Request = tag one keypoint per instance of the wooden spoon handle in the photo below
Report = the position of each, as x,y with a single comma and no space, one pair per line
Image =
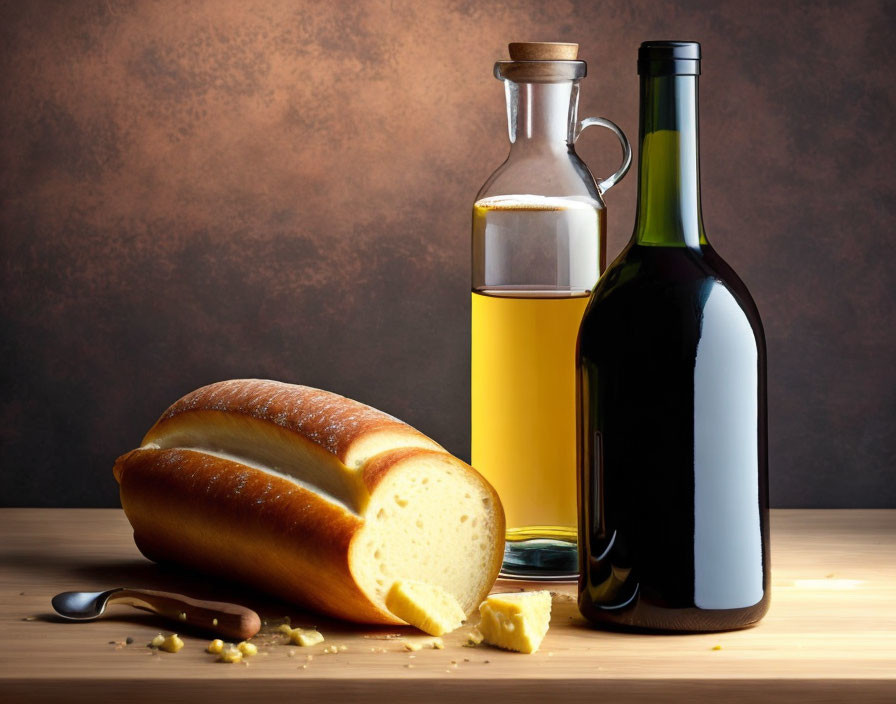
229,620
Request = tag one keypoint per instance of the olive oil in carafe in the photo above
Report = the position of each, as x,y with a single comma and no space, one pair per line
523,360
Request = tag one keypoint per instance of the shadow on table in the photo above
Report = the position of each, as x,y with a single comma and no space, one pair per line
99,575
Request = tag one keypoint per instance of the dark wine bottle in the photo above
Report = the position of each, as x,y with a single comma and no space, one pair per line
672,459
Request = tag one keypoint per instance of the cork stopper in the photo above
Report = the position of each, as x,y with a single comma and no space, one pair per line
543,51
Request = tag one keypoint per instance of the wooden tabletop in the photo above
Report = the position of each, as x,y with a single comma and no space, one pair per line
830,634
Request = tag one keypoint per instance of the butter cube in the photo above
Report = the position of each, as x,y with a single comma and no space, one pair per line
426,606
516,621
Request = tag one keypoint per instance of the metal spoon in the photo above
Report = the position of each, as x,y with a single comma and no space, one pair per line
230,620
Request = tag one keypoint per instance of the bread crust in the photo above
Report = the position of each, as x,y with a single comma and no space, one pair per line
335,423
246,525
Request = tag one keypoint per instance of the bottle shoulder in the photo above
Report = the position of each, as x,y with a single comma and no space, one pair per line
677,280
734,283
641,267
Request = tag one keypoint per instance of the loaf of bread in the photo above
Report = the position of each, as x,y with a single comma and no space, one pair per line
310,496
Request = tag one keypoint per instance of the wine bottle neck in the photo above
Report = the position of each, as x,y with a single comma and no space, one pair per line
669,169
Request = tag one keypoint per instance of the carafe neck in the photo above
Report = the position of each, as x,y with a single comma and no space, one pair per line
541,116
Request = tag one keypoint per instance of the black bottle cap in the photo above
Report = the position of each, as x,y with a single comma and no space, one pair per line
669,58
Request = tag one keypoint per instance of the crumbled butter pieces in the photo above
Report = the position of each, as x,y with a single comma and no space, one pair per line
474,637
416,644
305,637
426,606
171,644
248,649
516,621
230,654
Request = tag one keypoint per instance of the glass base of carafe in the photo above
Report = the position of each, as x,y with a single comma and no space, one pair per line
541,554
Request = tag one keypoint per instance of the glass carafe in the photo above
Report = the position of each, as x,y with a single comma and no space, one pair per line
539,246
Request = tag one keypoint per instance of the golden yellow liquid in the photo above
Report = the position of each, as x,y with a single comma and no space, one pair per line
523,408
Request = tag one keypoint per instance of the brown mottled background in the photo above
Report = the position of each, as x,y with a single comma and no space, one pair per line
193,191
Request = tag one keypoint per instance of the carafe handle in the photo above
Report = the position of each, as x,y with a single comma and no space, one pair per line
608,183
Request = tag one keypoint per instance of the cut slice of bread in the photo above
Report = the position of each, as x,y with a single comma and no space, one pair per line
426,606
311,496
